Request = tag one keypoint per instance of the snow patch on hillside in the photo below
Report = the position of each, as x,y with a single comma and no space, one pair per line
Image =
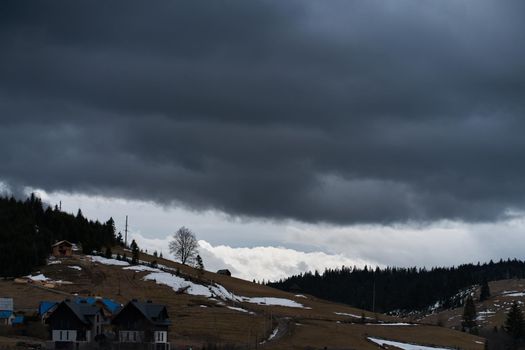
346,314
404,346
515,294
272,301
43,279
141,268
75,267
212,291
39,277
273,335
105,261
178,283
391,324
240,309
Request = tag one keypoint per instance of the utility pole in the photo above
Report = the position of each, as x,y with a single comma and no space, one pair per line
126,233
374,297
60,206
374,294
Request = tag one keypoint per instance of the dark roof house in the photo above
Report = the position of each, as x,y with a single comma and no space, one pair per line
143,322
74,323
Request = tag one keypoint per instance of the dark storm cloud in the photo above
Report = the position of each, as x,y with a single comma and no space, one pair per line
341,112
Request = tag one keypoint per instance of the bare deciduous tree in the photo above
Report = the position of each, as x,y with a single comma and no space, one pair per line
184,245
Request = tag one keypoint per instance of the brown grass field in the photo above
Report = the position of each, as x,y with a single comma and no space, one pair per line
198,320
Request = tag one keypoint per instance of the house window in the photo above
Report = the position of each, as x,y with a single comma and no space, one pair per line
60,335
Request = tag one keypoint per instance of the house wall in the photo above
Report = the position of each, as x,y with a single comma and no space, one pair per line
7,321
131,336
160,337
62,250
98,321
63,335
131,320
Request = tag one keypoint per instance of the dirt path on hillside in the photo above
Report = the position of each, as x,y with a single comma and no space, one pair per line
283,329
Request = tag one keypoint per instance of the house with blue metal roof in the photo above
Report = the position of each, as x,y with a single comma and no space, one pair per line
6,311
109,307
18,321
45,307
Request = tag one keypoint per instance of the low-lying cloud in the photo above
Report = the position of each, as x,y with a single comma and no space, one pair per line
256,263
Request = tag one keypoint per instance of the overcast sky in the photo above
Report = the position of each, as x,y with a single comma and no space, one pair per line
368,131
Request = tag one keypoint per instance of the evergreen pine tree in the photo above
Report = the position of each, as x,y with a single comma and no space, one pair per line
120,240
160,256
135,252
108,254
485,290
200,265
469,315
155,254
515,324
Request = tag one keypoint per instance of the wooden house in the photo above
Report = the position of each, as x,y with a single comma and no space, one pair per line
224,272
144,323
62,249
74,325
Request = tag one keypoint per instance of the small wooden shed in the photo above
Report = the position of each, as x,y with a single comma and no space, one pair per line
62,249
225,272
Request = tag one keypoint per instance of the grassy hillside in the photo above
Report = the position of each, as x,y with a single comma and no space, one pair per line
198,320
491,313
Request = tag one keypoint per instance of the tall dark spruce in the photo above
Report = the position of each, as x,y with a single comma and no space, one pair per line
28,228
469,315
484,293
135,253
515,324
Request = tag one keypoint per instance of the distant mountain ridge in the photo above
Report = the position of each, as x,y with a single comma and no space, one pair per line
399,289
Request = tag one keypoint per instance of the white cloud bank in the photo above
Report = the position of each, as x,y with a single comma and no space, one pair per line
268,263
